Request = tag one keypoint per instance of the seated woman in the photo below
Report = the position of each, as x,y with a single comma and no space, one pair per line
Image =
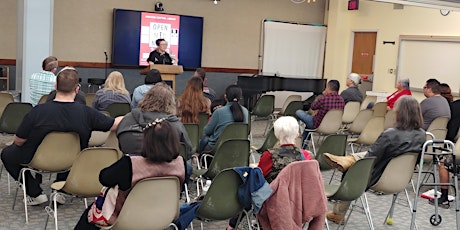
151,78
274,160
192,102
159,157
114,91
230,113
403,88
407,136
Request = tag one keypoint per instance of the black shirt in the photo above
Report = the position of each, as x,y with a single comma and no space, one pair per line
60,117
158,58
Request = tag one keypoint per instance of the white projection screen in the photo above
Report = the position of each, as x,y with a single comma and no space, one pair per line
293,50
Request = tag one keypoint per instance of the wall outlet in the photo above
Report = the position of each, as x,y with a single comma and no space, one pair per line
391,71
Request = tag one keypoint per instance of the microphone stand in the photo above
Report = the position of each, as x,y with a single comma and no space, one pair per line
106,60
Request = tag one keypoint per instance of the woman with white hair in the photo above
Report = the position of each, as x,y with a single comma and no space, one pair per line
352,93
274,160
403,88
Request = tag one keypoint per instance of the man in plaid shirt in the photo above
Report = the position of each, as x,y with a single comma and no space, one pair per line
330,100
42,83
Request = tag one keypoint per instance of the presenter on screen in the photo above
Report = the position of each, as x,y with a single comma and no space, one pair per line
159,55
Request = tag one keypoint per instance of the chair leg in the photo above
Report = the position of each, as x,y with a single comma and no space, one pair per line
391,210
55,211
367,211
23,172
327,224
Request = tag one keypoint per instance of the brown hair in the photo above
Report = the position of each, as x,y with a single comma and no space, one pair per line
161,142
159,98
49,63
192,101
67,80
408,113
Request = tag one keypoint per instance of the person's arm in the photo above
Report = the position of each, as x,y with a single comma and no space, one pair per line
19,141
208,105
24,129
115,123
209,128
119,173
317,103
378,149
265,163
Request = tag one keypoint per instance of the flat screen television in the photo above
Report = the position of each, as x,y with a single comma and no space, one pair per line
135,33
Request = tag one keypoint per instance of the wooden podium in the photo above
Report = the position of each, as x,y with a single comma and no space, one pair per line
168,73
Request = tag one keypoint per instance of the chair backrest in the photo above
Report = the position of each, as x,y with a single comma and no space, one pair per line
360,121
380,109
152,204
269,141
118,109
112,141
90,98
264,106
335,144
288,100
331,122
390,119
236,130
397,174
372,130
83,179
221,201
355,181
367,100
438,123
202,122
98,138
5,99
231,153
43,99
12,116
57,152
291,108
350,111
193,134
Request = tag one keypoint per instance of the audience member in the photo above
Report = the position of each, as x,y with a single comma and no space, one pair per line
159,157
407,136
274,160
114,91
454,122
208,92
446,92
321,105
80,97
192,102
352,93
62,115
152,77
402,88
434,105
43,82
231,112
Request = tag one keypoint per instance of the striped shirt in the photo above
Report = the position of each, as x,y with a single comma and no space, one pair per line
41,83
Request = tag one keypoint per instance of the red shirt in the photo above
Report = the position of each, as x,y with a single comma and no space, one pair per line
391,100
266,162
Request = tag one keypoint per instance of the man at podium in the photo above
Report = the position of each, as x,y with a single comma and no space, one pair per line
159,55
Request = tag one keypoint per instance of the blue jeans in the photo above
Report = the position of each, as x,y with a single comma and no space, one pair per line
203,143
307,119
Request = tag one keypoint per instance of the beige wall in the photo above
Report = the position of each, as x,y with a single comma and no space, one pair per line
389,24
83,28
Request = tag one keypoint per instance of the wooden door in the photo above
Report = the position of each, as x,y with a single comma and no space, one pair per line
363,52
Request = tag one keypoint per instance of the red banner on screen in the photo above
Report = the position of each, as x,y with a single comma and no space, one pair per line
155,26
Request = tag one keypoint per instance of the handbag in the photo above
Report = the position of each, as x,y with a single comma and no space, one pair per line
102,209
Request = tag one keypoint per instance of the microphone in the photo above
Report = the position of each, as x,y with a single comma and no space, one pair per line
105,52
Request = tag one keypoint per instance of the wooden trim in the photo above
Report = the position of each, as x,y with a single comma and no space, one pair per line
102,66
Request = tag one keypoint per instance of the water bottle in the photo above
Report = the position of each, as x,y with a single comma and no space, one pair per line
206,187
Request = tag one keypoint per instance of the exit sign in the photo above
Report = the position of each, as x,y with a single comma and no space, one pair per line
353,4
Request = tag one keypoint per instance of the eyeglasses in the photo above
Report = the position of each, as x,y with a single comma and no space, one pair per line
163,44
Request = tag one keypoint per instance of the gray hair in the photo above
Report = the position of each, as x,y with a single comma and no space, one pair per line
405,83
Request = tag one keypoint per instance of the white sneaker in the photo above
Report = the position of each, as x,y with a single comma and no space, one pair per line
37,200
60,198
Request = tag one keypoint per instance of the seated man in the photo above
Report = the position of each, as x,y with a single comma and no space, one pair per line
321,105
434,105
446,166
274,160
407,136
42,83
352,93
62,115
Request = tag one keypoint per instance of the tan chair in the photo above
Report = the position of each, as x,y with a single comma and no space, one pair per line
83,179
152,204
438,127
288,100
380,109
5,99
89,99
394,179
390,119
367,100
360,122
350,111
369,135
55,154
112,141
43,99
98,138
329,125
